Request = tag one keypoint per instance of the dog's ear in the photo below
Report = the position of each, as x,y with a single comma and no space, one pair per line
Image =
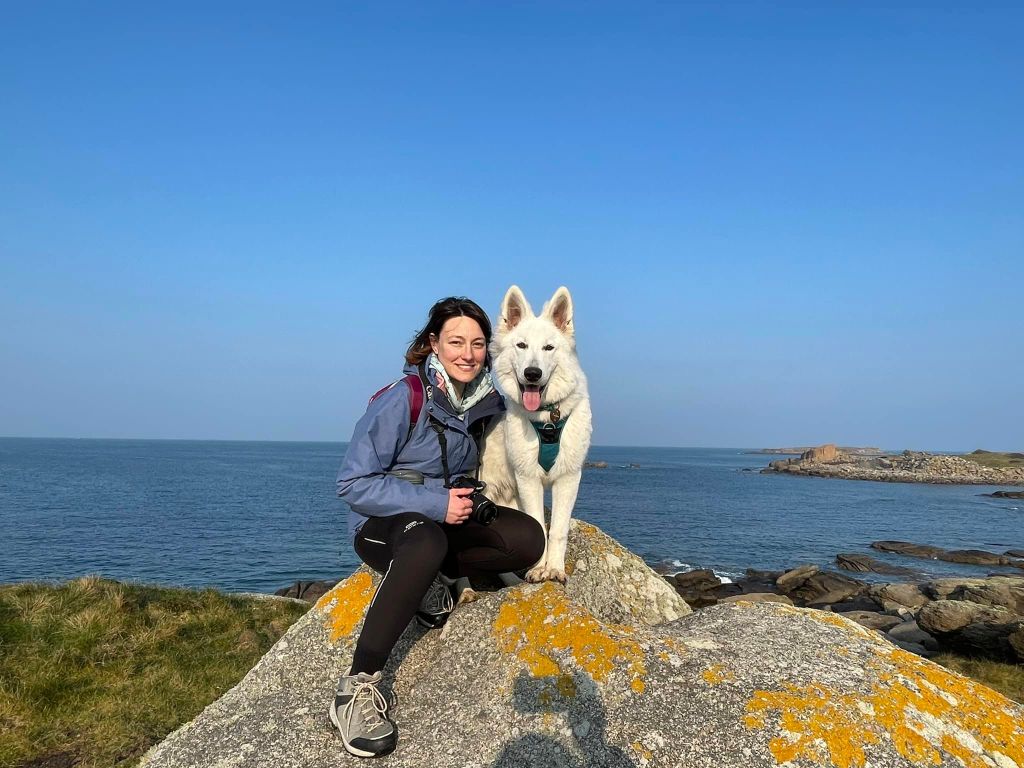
559,310
514,309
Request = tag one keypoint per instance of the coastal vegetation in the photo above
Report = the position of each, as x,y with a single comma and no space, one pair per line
1008,679
93,672
996,459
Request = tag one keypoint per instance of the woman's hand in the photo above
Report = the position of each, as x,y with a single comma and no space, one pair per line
459,506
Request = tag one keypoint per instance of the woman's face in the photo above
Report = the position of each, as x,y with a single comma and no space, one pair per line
461,348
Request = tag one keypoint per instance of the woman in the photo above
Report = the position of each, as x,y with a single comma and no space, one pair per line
407,520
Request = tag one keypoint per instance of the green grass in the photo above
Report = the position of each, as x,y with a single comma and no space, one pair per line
995,459
1008,679
94,672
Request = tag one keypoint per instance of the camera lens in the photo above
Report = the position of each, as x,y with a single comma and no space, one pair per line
484,510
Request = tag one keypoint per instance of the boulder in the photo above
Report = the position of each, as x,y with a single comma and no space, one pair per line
731,590
615,584
943,617
857,603
534,676
995,591
794,578
826,587
909,595
859,563
310,591
823,454
972,629
910,632
1006,495
697,587
753,574
873,620
974,557
758,597
988,639
1016,641
917,648
908,548
700,578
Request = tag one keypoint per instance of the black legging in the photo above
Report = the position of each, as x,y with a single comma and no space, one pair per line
410,548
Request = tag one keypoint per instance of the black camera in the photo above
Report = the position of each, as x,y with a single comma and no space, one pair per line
484,510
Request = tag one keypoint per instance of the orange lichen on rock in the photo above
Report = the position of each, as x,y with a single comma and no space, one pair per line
540,625
346,604
817,725
642,752
597,543
921,709
973,720
716,674
848,626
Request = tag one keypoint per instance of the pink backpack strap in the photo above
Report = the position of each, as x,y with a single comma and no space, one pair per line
415,397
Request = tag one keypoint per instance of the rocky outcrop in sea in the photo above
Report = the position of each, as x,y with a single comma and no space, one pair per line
612,669
907,467
980,616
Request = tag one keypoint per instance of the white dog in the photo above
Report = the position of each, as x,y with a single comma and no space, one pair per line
535,365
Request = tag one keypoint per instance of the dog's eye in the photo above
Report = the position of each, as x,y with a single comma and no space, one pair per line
521,345
548,347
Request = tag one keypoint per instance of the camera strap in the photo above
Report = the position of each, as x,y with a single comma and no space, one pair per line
436,424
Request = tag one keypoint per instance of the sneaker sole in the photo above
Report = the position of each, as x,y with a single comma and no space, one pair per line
428,625
348,747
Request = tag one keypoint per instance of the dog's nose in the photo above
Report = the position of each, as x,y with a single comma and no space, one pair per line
532,374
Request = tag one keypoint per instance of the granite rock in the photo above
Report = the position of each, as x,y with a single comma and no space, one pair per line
532,676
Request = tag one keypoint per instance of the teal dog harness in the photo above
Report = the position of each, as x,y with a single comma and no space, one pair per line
549,435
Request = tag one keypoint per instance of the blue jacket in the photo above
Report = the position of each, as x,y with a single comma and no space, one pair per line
379,444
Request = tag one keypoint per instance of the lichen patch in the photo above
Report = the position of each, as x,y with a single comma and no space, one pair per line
717,674
346,604
540,627
922,710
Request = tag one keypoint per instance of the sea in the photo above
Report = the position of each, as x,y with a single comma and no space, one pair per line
257,516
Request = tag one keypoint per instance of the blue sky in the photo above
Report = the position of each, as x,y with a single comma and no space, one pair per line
781,223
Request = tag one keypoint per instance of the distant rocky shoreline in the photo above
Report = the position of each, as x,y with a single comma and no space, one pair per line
907,467
847,449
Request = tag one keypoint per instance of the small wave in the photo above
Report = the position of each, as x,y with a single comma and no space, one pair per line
726,577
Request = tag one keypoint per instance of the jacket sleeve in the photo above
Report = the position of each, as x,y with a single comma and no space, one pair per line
378,437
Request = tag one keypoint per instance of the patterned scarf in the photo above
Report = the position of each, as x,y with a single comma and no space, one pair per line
472,393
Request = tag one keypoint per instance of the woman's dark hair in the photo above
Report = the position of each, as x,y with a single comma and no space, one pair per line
440,313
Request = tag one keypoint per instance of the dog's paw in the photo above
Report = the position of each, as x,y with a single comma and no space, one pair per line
468,595
555,574
537,574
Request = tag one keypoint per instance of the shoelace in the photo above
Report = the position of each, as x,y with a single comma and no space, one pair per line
438,599
372,713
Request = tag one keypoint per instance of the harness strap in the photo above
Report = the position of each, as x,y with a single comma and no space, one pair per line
549,435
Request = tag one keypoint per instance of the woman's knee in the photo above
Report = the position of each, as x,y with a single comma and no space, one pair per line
524,535
425,537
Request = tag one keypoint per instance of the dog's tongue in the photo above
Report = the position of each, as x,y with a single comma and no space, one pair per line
531,398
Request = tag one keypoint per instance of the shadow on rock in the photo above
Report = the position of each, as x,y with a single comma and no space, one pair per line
570,704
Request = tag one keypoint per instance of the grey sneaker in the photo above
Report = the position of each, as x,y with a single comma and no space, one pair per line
436,604
359,713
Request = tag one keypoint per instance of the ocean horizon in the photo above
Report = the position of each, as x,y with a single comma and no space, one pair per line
244,515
